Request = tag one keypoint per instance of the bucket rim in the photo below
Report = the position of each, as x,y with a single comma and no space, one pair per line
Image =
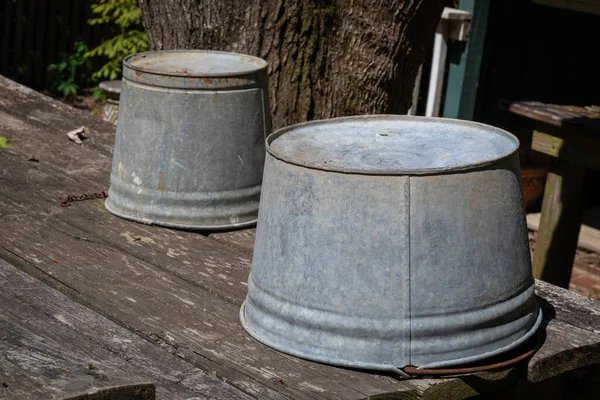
468,166
260,63
341,362
175,225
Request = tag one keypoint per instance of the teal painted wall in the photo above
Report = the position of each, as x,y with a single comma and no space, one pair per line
464,63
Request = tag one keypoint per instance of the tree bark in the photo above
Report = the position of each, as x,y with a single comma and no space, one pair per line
327,58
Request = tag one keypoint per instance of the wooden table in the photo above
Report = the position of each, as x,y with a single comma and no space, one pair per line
89,300
572,136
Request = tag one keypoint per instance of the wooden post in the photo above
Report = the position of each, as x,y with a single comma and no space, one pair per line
562,214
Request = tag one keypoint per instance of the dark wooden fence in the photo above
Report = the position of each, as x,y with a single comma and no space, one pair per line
35,33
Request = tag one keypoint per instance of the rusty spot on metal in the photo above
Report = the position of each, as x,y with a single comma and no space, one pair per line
138,73
161,188
413,371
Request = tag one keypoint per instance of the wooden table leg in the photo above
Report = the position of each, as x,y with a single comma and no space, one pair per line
562,213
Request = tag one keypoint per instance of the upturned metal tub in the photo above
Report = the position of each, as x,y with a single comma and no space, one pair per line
189,149
387,241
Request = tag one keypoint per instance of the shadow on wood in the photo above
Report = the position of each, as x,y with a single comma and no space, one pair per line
143,391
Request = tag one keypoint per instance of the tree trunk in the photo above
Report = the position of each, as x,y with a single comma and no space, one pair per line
327,58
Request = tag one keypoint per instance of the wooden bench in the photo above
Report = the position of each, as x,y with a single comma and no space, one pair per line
91,301
572,136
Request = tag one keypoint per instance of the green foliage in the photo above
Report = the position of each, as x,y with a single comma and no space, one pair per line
98,94
125,18
3,142
72,71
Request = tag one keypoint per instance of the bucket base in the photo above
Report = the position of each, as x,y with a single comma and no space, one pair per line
187,227
384,367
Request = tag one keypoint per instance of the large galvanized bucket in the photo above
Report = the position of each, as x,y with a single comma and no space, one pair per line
189,149
387,241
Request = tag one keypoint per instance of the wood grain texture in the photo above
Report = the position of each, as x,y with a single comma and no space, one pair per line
574,146
242,240
569,307
179,290
562,215
570,333
565,348
52,347
555,114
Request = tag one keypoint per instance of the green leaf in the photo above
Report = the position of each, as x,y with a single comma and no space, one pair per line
98,94
125,18
3,142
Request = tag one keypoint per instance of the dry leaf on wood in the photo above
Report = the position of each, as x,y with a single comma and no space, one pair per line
77,135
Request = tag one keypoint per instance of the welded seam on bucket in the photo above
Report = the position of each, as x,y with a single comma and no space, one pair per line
409,275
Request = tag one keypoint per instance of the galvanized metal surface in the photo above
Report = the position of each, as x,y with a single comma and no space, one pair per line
420,260
383,146
112,90
189,149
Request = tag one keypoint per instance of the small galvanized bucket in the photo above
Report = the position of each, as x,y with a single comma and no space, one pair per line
388,241
189,149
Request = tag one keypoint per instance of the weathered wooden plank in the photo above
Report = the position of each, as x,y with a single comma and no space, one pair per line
196,260
242,240
52,347
554,114
562,214
565,348
570,145
124,270
569,307
570,333
191,256
146,239
58,240
175,314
